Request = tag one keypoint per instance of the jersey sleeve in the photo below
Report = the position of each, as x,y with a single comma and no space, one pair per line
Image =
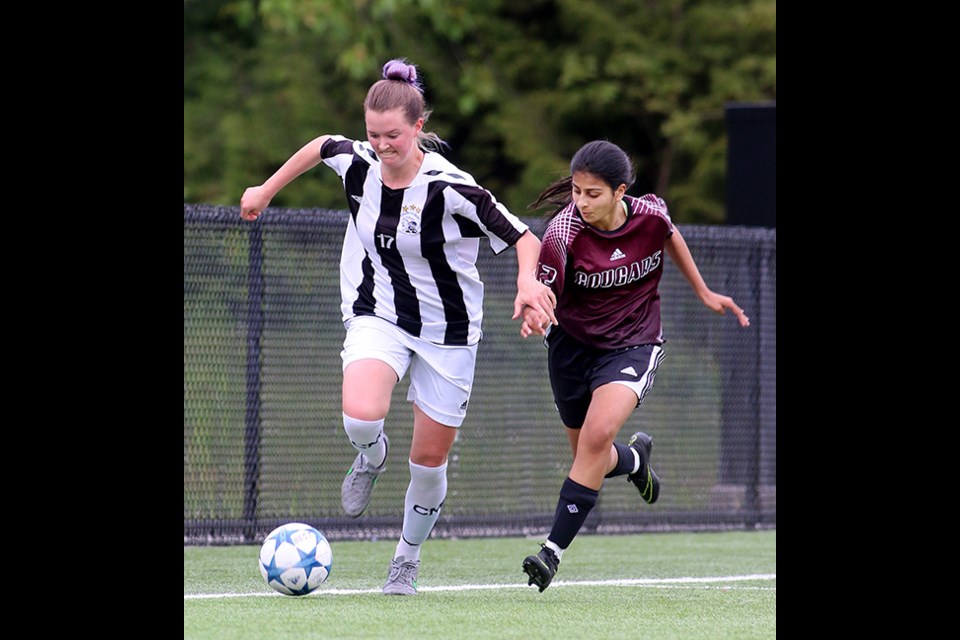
551,269
651,204
337,153
478,205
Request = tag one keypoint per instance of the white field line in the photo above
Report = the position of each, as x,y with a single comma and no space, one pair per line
654,583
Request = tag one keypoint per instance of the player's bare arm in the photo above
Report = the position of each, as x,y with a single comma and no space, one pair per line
530,291
256,199
679,252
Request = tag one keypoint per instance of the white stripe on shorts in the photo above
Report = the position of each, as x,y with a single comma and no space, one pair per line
644,384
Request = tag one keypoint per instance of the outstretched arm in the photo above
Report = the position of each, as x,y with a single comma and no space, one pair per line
530,291
679,252
256,199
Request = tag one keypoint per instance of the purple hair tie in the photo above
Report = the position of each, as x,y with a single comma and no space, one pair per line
400,70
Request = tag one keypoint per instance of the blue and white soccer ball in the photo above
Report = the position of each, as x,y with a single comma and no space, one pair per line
295,559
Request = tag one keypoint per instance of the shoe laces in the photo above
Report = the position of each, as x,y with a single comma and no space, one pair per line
402,569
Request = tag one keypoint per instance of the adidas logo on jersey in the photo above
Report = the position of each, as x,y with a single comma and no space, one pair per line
617,255
629,370
357,198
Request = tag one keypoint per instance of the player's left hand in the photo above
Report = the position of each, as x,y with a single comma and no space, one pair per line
719,304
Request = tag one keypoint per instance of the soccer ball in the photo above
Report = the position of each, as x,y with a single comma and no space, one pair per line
295,559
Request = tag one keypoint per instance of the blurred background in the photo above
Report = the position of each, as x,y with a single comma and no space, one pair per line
687,88
516,88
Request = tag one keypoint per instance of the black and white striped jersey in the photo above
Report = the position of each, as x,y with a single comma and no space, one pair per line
409,255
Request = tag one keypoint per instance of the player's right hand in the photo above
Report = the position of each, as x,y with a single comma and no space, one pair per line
253,202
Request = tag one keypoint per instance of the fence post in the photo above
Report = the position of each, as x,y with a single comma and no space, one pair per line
767,312
251,438
736,488
746,482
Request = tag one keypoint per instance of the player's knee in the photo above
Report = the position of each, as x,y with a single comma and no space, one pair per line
433,457
596,438
367,389
368,409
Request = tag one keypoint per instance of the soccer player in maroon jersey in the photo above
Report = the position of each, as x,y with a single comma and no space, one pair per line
602,254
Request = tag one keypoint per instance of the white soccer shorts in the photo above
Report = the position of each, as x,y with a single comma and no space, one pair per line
441,376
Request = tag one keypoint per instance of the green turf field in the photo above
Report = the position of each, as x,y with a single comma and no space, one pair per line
649,586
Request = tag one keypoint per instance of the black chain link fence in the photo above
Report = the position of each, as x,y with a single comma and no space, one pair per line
263,441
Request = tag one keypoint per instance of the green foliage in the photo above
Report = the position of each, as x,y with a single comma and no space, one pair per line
516,87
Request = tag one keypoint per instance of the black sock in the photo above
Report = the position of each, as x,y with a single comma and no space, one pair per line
625,461
575,503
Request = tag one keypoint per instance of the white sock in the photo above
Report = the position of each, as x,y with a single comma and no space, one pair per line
557,550
421,509
366,437
406,551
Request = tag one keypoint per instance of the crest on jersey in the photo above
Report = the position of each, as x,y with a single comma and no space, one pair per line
410,219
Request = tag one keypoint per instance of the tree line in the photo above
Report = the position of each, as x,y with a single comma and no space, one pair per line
516,87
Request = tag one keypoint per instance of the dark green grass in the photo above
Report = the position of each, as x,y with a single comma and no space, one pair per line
717,609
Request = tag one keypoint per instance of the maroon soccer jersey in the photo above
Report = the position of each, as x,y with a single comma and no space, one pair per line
606,282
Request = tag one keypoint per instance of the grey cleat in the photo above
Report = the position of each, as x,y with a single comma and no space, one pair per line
357,488
402,580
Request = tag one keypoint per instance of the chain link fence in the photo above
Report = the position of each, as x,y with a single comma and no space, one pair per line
263,441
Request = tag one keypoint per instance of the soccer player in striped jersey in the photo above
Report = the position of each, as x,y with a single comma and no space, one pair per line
602,255
411,294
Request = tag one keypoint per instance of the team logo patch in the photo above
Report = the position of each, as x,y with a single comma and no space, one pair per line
410,219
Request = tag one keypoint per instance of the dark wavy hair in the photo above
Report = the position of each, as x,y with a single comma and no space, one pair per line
600,158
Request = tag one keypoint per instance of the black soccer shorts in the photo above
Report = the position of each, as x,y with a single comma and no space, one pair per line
577,369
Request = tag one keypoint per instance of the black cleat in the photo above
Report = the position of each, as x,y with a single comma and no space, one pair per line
541,568
646,480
